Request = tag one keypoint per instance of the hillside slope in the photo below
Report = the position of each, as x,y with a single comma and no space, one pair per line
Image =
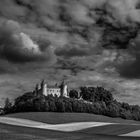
58,118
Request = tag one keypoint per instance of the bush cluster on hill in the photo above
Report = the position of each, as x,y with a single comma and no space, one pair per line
95,100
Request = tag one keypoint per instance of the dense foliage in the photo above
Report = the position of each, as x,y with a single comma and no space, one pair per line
95,100
8,106
73,94
98,94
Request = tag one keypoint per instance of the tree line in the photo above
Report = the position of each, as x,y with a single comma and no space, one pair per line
95,100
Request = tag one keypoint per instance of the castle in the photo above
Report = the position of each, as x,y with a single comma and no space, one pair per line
44,89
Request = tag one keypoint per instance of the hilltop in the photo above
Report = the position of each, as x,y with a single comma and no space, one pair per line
95,100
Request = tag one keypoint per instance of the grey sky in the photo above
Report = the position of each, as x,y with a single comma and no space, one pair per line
91,42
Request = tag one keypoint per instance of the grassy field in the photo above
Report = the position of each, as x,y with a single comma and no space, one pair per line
9,132
116,129
59,118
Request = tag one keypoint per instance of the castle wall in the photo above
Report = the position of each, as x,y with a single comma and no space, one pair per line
54,91
45,90
65,91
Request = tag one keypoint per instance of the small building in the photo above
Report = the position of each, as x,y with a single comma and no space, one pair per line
55,90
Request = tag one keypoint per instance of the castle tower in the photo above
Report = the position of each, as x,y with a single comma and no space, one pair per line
64,89
36,89
44,88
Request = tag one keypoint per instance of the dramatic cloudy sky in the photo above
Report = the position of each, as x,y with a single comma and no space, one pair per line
87,42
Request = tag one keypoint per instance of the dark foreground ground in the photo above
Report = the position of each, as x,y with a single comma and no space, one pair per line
8,132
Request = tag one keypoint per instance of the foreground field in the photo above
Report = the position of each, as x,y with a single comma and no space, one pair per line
59,118
9,132
42,126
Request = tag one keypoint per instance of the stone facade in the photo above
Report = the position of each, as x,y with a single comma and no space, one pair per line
45,89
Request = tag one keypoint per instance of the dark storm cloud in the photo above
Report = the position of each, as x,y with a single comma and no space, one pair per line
105,23
73,51
77,17
131,69
118,37
16,46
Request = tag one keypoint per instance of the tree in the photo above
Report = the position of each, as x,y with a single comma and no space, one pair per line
113,110
87,93
60,105
52,106
68,105
46,106
73,94
7,106
97,94
103,95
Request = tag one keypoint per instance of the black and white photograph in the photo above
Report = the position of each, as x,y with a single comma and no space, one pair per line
69,69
